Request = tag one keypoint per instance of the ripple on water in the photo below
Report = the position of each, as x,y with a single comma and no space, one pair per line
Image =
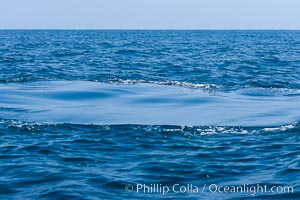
78,161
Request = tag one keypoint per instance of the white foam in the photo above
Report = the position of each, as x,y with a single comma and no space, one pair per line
281,128
168,82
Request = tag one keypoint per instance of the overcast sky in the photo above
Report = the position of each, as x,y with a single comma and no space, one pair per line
149,14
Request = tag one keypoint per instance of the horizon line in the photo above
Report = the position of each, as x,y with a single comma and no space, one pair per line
147,29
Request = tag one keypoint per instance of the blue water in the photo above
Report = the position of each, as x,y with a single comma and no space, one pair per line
85,113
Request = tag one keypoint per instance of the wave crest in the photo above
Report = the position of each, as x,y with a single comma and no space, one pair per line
167,82
170,129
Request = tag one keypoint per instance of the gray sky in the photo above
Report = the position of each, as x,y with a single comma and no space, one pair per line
149,14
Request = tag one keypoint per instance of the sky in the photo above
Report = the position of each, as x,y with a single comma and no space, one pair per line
149,14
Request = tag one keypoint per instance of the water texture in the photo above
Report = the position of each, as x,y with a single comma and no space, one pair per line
85,113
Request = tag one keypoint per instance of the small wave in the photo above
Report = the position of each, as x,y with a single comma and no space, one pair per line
170,129
127,51
282,128
25,79
167,82
120,81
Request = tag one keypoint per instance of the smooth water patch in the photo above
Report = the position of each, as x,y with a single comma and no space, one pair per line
84,102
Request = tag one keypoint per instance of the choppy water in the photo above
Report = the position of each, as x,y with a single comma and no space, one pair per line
84,113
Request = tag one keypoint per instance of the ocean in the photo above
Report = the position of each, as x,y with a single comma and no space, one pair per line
124,114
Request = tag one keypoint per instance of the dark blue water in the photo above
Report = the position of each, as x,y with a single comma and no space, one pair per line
89,114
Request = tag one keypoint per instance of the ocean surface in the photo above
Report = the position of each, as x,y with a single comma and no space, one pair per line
149,114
